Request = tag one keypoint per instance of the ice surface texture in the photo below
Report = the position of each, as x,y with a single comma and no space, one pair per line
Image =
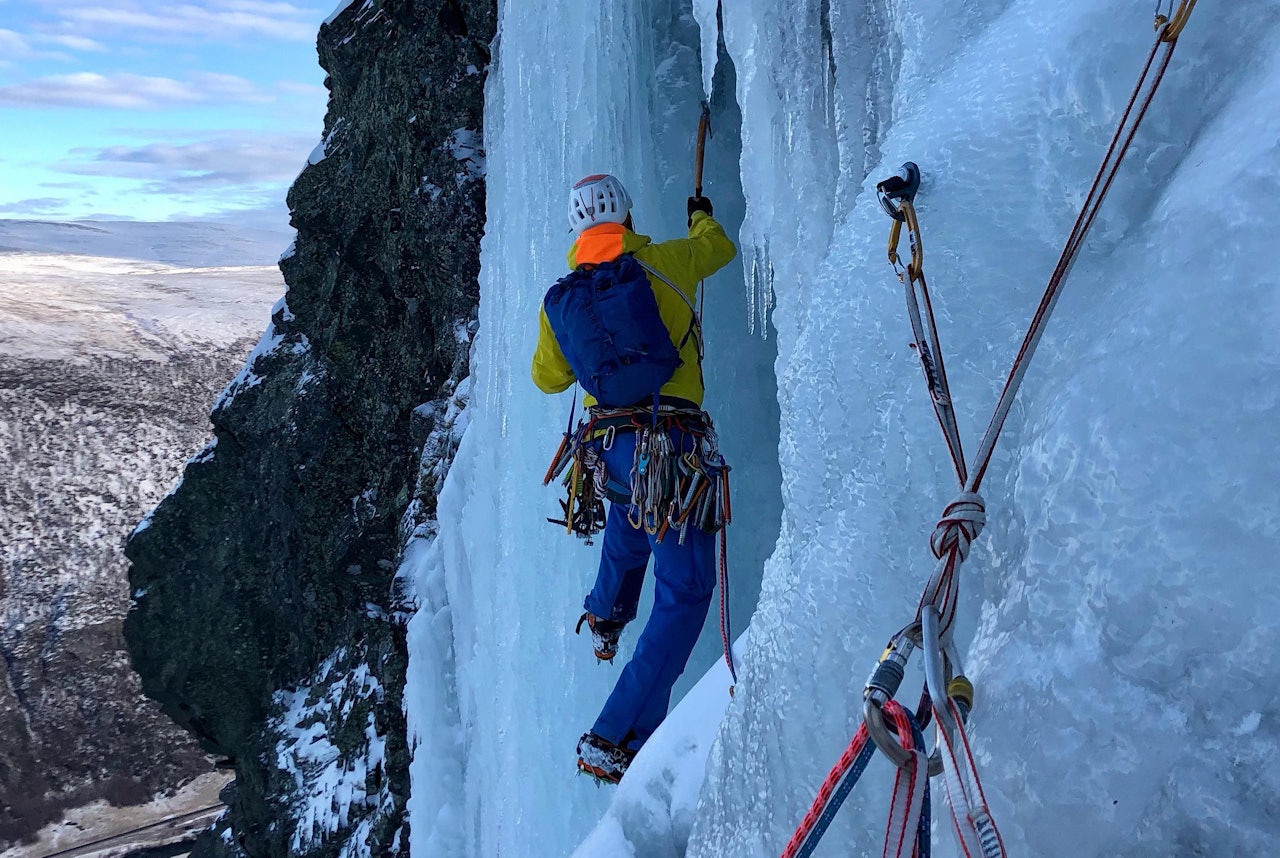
1116,604
1115,614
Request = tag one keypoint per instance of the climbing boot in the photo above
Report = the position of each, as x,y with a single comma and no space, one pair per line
604,634
603,760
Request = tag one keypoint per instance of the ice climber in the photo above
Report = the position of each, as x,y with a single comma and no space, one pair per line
625,435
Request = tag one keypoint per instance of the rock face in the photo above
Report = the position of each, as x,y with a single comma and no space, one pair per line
264,619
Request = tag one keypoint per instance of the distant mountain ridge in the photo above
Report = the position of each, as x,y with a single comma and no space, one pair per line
189,244
132,289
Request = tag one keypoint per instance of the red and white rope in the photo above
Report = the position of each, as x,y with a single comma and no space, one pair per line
974,825
909,788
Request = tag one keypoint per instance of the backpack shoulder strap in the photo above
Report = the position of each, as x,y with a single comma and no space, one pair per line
674,288
695,326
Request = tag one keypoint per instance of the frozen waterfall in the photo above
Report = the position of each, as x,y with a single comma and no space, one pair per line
1114,613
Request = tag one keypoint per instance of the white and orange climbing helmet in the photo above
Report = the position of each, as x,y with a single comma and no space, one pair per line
597,199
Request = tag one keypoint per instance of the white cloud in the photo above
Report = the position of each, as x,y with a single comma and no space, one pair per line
230,160
212,19
12,44
37,206
128,91
84,188
16,47
76,43
228,87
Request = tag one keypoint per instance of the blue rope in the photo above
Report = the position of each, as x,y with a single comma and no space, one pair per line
842,792
923,841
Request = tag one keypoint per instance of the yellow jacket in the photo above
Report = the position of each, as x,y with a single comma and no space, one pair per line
684,261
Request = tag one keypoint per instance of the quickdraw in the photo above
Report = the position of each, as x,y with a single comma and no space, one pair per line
948,695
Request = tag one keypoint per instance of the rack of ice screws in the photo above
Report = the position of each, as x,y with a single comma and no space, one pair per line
673,489
668,488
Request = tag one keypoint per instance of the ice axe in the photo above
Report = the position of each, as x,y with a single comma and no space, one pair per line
704,131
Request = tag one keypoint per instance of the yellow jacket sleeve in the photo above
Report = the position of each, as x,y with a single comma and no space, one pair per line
551,372
688,260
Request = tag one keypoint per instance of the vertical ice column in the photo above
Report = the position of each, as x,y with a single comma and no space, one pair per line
569,95
1101,567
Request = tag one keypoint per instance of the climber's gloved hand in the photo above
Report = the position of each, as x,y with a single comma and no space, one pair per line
698,204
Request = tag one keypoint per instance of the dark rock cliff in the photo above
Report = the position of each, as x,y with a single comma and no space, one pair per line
264,619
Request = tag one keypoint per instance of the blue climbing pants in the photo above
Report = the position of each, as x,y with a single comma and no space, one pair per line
684,580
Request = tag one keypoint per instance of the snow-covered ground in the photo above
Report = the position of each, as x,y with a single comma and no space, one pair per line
115,339
1117,614
100,830
128,289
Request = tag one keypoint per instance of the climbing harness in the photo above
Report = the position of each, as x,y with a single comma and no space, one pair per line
668,491
948,695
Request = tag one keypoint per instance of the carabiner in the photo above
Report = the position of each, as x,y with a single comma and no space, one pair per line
901,186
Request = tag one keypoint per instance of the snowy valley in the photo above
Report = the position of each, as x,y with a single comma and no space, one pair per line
115,339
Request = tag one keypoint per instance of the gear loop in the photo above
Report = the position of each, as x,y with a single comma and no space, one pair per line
961,523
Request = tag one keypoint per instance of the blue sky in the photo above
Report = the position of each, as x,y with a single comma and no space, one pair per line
149,110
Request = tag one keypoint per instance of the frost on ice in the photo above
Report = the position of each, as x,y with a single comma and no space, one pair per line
1115,615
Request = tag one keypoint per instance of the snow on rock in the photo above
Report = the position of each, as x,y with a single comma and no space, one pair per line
467,147
319,153
330,781
246,378
342,7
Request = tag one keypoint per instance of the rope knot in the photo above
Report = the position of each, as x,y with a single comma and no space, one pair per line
962,521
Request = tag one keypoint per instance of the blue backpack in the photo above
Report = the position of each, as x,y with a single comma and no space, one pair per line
606,322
